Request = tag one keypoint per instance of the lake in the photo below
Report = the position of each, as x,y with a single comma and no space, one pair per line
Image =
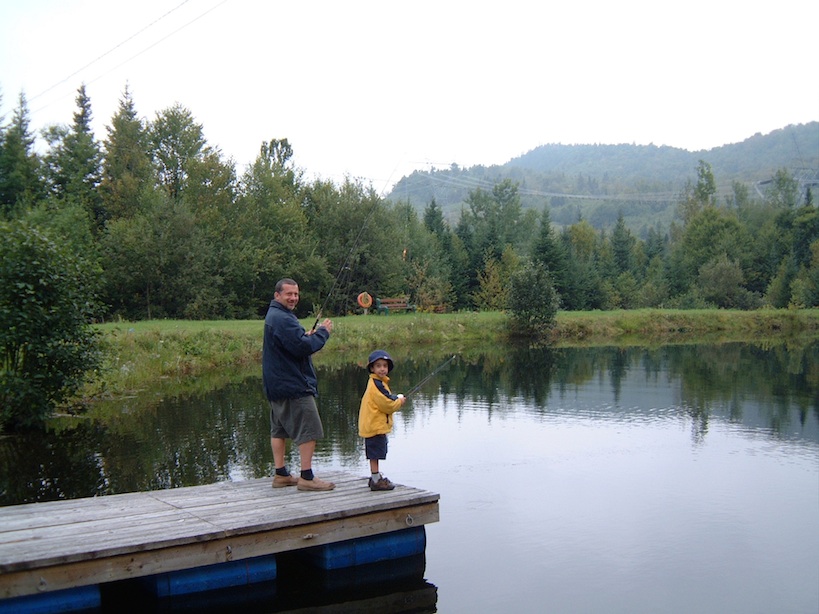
670,479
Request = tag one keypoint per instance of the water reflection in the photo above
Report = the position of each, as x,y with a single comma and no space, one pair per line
389,586
222,435
676,479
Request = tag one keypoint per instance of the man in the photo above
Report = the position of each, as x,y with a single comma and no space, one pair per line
291,387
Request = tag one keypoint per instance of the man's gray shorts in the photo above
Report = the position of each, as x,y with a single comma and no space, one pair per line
296,419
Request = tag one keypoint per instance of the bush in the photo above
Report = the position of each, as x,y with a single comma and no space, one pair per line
533,301
47,300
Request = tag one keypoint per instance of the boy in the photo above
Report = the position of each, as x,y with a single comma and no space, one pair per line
375,415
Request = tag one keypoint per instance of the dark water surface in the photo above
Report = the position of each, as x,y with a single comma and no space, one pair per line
673,479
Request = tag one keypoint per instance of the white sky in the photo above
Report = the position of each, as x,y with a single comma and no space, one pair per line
376,89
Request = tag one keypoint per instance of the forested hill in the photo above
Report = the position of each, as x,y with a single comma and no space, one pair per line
597,182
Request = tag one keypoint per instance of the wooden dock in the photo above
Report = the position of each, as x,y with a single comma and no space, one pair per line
67,544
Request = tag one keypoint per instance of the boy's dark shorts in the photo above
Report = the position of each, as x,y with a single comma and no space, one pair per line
375,447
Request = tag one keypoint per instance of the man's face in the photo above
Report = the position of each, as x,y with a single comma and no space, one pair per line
289,296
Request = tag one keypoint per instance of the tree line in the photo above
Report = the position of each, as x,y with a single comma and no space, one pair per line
599,182
166,226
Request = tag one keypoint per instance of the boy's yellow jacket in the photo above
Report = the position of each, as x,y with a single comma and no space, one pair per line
377,406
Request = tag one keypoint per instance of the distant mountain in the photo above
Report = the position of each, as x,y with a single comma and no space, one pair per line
597,182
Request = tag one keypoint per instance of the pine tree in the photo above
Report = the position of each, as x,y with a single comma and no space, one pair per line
74,162
622,246
20,183
549,252
127,172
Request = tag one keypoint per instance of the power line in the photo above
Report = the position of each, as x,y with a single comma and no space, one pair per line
164,38
114,48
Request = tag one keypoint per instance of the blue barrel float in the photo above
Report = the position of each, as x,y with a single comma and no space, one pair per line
210,577
77,599
365,550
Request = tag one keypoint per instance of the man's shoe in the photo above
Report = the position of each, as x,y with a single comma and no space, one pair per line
382,484
315,484
280,481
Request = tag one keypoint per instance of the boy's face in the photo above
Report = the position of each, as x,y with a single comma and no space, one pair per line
381,367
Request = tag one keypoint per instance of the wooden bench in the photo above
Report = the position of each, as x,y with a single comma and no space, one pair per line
399,303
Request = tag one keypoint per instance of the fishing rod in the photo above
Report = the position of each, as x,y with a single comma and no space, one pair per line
418,386
345,264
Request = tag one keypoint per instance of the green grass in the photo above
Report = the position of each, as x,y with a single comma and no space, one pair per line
167,354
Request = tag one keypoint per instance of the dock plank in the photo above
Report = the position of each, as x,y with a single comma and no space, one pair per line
47,546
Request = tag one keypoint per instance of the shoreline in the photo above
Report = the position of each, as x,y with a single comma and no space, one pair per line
142,355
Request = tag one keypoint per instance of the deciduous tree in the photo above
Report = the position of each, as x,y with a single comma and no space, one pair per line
47,300
175,139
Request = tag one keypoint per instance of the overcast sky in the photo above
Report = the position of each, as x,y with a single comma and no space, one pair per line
376,89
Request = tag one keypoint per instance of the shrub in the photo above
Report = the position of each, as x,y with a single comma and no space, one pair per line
47,300
533,301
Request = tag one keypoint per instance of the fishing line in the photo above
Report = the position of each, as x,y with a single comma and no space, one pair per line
345,265
418,386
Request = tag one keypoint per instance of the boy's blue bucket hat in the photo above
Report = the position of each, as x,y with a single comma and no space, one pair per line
375,356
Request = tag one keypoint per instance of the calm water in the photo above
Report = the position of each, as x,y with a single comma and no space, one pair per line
676,479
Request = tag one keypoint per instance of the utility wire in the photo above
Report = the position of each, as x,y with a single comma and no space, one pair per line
164,38
114,48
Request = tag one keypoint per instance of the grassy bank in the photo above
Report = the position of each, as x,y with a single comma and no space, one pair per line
141,355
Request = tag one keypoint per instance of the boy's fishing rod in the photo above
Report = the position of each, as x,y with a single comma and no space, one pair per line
345,263
418,386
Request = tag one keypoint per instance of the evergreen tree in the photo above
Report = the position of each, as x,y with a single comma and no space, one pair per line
656,244
549,252
127,173
511,229
73,163
805,288
533,302
434,219
490,224
584,288
458,258
622,246
20,183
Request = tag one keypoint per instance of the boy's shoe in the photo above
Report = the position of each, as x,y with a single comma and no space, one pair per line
381,484
280,481
314,484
